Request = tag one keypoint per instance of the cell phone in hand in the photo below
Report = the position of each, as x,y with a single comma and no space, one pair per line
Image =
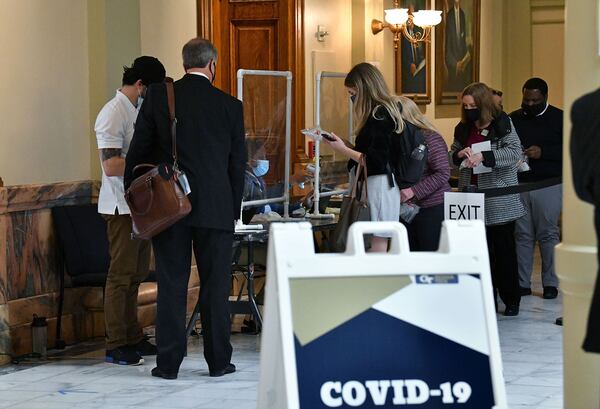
327,136
314,134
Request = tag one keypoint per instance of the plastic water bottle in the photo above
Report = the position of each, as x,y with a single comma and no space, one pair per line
39,335
418,153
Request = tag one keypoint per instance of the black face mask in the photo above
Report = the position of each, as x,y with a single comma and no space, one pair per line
533,110
472,114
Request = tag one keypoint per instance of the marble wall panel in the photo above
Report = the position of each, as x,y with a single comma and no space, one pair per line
30,197
3,276
32,254
29,252
5,340
5,347
4,317
21,310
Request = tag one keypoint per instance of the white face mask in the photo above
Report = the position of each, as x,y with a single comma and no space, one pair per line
261,168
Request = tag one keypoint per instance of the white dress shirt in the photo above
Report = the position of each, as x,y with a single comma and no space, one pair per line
114,129
200,74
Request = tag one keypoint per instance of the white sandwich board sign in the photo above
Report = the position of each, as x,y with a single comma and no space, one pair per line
358,330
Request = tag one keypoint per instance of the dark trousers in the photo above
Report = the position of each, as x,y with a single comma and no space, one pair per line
424,230
503,262
129,264
173,252
592,337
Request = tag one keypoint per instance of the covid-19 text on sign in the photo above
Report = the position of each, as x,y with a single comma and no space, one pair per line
404,392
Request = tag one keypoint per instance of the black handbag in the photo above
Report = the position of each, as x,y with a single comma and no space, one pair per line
355,208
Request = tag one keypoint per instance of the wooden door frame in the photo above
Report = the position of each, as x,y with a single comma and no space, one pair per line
206,10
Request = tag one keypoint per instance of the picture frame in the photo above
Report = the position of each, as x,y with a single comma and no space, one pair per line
456,48
412,68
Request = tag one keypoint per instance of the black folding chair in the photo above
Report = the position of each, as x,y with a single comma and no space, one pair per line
84,255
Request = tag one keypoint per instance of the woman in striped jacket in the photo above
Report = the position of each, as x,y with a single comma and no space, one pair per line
482,120
427,193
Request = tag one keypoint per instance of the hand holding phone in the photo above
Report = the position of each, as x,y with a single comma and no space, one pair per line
327,136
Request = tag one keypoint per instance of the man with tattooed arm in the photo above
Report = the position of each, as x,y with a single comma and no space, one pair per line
129,258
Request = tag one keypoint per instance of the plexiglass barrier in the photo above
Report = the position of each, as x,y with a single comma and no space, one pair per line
333,113
266,98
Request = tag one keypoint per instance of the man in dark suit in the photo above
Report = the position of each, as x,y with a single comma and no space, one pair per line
585,154
457,56
212,153
413,60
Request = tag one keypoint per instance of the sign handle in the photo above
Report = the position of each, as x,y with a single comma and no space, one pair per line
356,245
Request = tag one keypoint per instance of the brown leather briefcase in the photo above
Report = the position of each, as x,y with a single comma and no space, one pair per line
155,199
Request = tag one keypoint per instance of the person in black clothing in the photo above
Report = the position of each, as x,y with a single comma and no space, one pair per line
540,128
212,153
378,121
585,152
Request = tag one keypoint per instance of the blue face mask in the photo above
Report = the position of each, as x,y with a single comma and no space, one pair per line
261,168
353,98
140,99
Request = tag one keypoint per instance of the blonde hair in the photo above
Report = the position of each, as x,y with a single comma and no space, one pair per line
411,113
371,93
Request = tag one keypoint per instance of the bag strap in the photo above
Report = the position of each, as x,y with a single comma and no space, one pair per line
172,120
363,163
361,170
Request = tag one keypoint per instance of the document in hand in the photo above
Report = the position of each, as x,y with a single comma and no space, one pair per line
477,148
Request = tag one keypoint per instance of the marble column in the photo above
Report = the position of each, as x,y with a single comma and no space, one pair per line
576,255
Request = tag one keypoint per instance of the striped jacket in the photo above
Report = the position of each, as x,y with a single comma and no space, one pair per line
429,191
506,152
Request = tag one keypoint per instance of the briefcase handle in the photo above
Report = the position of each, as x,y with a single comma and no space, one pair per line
142,166
148,181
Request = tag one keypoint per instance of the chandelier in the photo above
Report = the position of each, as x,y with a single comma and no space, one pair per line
399,21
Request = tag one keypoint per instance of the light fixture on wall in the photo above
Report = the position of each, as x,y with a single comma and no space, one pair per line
399,21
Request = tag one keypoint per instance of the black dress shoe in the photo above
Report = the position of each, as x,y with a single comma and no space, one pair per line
511,310
559,321
230,368
165,375
524,291
550,293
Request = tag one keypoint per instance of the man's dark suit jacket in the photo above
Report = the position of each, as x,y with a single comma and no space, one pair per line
585,159
413,54
210,147
585,146
455,49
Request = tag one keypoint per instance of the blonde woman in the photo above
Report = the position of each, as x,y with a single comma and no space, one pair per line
377,120
427,193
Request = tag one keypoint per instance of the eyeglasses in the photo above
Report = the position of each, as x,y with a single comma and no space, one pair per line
496,92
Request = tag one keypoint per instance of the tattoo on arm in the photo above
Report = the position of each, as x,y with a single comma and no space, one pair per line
109,153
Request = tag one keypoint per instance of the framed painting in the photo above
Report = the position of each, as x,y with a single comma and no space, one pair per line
456,48
412,69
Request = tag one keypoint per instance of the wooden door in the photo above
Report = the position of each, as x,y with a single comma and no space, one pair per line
261,35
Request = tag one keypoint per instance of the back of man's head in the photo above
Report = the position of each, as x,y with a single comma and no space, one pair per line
536,83
197,53
148,69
